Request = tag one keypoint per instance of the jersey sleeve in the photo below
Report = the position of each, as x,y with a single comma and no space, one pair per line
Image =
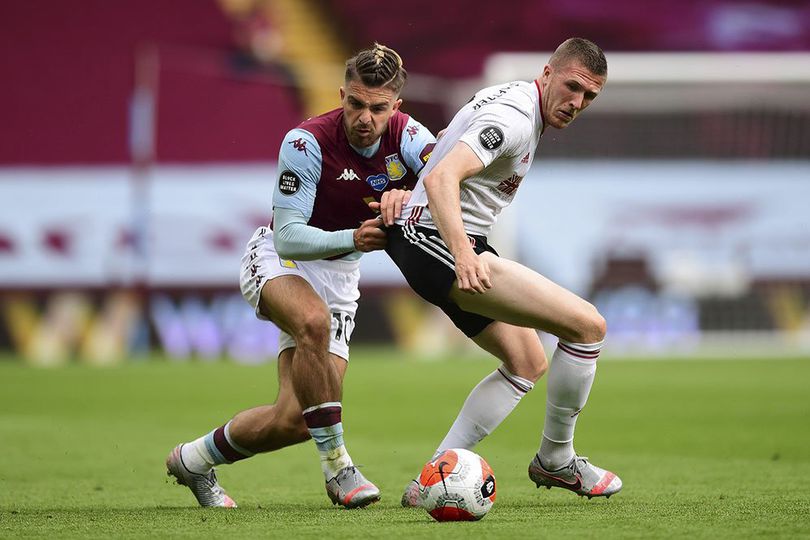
497,130
296,240
299,170
416,144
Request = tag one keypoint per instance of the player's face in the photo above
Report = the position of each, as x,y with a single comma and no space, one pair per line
567,90
366,112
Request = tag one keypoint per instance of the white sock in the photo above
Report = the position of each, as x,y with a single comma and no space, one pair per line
196,456
570,377
214,448
485,408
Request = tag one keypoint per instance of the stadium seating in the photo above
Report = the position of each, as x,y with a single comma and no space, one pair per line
73,80
452,38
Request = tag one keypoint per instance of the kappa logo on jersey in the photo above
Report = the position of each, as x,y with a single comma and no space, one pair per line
491,137
412,131
510,185
348,175
377,182
289,183
394,167
300,145
525,159
286,263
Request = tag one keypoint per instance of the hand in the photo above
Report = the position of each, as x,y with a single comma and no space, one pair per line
369,236
472,272
390,205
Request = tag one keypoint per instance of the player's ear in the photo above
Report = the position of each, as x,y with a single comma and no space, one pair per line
342,94
397,103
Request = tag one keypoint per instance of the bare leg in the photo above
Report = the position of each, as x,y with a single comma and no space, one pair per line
522,297
494,398
307,406
519,349
271,427
298,310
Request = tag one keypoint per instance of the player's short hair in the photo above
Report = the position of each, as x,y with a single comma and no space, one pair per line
585,51
377,67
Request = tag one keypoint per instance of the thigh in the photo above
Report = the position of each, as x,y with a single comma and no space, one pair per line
518,347
427,265
522,297
290,302
260,264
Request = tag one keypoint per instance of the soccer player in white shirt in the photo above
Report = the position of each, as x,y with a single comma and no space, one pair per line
439,242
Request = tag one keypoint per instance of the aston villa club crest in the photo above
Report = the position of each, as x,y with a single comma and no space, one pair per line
394,167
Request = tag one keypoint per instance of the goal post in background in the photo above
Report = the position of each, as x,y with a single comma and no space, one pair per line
697,168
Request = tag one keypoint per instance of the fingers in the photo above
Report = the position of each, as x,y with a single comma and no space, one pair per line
390,205
387,209
399,204
472,275
369,236
393,213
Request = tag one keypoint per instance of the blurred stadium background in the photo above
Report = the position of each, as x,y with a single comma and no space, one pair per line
139,139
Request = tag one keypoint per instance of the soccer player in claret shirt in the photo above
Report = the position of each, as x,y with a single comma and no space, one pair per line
302,271
439,242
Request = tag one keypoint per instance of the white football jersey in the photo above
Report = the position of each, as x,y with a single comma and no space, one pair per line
502,125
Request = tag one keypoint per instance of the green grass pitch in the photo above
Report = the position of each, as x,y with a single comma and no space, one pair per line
706,449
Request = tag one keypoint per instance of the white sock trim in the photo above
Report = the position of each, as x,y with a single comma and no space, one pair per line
524,385
322,406
240,449
546,437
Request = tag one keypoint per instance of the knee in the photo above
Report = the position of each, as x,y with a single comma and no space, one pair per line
528,366
533,369
312,327
540,367
596,327
591,326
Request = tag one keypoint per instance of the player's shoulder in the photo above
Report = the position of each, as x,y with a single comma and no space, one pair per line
516,94
324,126
399,120
300,148
397,124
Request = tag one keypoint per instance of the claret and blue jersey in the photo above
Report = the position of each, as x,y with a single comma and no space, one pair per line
331,183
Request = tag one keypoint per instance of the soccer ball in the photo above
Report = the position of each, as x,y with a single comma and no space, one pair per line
457,486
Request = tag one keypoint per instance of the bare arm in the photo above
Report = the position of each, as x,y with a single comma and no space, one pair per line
443,187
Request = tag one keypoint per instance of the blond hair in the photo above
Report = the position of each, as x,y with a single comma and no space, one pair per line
377,67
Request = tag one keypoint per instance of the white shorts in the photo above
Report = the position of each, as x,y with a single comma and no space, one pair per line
336,282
